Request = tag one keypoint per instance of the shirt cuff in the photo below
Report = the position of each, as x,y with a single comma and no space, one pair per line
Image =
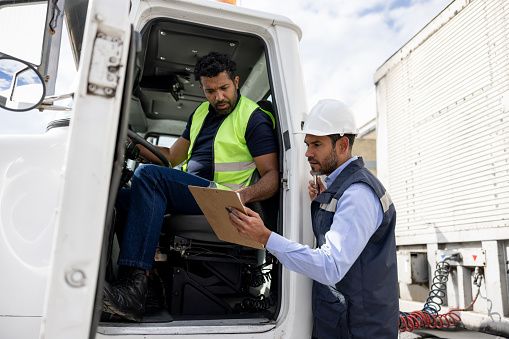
277,243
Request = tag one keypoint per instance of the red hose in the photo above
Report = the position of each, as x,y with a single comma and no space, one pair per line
417,319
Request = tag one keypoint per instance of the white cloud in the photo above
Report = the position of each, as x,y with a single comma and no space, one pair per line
29,77
4,84
11,67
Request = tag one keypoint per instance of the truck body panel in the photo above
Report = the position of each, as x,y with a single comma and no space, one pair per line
442,152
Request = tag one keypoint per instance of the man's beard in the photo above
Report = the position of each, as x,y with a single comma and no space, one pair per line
229,108
226,110
328,165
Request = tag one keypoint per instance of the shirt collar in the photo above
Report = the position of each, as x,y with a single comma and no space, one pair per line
330,179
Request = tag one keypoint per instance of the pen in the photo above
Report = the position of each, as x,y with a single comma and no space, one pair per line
315,179
230,211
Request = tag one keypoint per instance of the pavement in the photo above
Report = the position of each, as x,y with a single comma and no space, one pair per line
449,333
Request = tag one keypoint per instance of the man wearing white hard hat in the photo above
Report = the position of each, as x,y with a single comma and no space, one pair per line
355,287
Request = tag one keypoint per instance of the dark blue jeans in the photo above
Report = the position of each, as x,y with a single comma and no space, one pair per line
155,191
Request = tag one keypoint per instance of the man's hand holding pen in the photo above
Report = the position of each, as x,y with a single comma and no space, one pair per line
316,186
230,211
249,225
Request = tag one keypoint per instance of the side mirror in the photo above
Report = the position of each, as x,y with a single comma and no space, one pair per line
21,86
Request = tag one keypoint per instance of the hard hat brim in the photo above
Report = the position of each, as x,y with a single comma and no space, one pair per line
321,133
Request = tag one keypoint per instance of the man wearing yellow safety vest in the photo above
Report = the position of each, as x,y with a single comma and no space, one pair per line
226,140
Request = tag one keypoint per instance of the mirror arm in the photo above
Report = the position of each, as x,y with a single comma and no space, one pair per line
50,99
48,102
51,107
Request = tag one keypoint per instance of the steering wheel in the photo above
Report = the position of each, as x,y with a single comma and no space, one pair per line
136,139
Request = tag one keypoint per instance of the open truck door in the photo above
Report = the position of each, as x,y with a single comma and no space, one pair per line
72,300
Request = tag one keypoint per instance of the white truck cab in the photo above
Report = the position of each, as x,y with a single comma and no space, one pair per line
57,189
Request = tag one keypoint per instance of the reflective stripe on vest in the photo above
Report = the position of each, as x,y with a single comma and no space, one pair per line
331,206
386,202
233,164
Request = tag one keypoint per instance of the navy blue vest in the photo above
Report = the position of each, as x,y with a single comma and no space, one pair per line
364,304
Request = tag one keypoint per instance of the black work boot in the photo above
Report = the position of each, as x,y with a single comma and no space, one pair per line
127,296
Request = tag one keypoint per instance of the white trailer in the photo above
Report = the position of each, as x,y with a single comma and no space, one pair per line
443,154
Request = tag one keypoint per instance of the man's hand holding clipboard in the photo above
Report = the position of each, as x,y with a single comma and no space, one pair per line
214,203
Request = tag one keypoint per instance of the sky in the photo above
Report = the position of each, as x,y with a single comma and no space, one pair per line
8,69
343,43
28,84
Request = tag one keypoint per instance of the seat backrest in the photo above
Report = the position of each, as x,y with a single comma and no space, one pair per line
267,209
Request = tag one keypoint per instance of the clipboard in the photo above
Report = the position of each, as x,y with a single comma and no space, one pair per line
212,202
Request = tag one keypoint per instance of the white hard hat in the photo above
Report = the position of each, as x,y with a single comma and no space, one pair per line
328,117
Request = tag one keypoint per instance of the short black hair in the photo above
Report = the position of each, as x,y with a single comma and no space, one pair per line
335,137
212,64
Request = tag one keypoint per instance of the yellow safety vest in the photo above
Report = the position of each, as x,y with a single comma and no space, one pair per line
233,164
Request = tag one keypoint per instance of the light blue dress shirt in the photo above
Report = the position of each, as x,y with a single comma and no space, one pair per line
358,215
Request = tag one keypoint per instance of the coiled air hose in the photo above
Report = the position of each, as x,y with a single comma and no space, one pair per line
259,303
258,276
429,315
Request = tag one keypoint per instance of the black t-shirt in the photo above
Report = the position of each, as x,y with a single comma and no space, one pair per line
260,140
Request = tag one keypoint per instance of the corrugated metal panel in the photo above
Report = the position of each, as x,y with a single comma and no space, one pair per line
448,131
